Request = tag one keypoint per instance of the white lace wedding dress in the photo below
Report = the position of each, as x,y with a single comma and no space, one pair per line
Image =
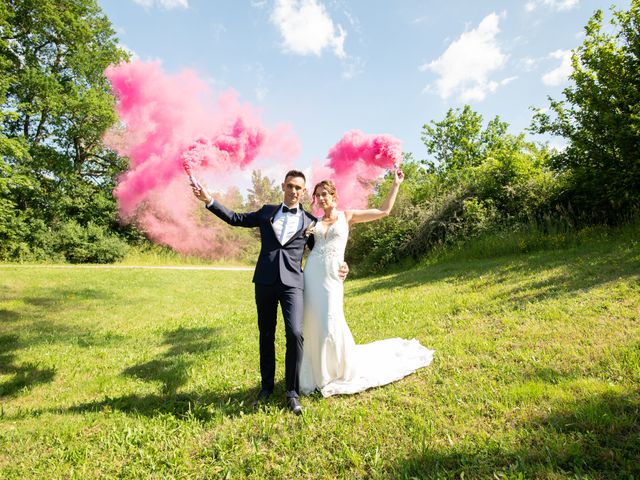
332,362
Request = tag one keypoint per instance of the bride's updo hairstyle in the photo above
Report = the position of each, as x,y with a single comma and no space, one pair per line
328,185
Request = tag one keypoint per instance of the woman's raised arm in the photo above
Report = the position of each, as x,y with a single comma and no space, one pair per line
368,215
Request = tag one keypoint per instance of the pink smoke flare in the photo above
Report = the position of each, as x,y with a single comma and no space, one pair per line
173,124
354,164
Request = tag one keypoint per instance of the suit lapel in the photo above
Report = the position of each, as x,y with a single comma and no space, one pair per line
272,216
274,212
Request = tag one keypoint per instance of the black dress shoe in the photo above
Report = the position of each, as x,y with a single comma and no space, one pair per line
262,397
294,405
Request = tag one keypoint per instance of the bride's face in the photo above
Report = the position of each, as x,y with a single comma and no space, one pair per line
324,199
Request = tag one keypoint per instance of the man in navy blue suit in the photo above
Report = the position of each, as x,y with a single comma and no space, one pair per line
278,277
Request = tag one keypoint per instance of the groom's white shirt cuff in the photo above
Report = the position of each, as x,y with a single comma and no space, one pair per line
210,203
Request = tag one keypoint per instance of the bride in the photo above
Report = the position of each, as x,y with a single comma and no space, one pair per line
332,363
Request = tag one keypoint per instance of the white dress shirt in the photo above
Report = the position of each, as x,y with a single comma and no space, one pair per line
285,225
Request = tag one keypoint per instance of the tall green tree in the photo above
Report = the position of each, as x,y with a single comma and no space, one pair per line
61,104
600,118
55,105
8,146
459,140
263,191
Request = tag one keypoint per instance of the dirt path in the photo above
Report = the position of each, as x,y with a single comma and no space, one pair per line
157,267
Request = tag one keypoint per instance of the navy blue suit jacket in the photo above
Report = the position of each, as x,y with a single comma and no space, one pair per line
276,261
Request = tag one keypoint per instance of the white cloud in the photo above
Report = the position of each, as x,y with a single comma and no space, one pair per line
132,53
527,63
561,73
557,5
261,92
352,67
507,81
166,4
306,28
217,30
478,92
256,71
353,20
421,19
466,65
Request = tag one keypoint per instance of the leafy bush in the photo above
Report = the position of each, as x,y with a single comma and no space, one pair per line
520,186
478,215
90,244
375,245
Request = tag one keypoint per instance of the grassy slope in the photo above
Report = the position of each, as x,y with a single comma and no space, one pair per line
149,374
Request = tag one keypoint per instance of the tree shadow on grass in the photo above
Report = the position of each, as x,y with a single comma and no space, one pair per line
21,376
30,325
58,298
6,293
596,437
50,301
171,370
7,316
41,318
198,405
547,375
580,272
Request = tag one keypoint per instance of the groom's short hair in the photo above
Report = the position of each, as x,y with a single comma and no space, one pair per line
295,173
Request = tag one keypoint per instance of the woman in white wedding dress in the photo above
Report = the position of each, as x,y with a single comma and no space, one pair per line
332,363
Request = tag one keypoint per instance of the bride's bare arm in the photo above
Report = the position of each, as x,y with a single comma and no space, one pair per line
368,215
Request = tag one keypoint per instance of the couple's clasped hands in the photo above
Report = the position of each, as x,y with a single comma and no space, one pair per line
343,271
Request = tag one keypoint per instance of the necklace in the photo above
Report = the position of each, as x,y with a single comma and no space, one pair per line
331,218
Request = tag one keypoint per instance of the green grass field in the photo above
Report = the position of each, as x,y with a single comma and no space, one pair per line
132,373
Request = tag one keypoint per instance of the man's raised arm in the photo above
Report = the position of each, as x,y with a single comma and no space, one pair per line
251,219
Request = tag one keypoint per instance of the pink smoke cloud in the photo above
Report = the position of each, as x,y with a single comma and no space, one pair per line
355,162
174,121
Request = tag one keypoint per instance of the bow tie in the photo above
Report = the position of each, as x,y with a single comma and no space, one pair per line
286,209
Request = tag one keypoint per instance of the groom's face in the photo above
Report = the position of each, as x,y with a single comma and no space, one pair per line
294,189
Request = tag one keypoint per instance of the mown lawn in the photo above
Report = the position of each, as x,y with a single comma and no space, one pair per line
132,373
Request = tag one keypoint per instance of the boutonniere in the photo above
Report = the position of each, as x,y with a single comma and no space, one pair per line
310,230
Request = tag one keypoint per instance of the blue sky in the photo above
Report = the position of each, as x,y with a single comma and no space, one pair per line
329,66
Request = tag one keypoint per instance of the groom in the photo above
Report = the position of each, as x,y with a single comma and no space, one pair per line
278,277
